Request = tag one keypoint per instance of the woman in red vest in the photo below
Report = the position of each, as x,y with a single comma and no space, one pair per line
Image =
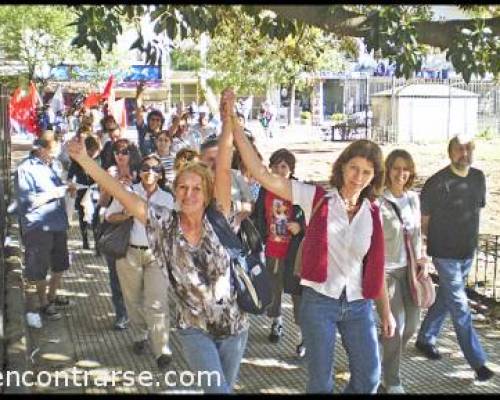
343,261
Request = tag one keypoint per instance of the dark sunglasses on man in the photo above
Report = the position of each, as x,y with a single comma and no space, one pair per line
156,169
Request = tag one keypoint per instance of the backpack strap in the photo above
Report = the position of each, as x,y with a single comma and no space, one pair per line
224,232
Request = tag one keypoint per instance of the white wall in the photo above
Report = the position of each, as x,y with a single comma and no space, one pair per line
430,120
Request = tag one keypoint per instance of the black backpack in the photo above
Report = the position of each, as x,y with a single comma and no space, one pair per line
248,271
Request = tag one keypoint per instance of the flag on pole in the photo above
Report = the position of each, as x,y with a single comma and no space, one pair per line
108,89
57,102
22,110
92,100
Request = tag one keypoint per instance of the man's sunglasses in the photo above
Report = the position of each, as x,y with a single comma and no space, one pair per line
156,169
123,152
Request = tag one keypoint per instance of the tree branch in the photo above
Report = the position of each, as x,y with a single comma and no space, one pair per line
347,23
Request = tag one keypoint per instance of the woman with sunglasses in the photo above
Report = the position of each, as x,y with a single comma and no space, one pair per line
122,170
141,279
213,331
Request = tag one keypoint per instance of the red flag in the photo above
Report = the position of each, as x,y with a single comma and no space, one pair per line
23,110
107,89
92,100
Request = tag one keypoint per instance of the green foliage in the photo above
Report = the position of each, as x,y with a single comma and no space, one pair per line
185,59
393,33
338,118
36,34
306,115
402,33
475,51
485,134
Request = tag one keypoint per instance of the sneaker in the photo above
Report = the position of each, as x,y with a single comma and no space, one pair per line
484,373
139,347
34,320
276,332
50,312
62,301
163,361
428,350
300,350
395,389
121,324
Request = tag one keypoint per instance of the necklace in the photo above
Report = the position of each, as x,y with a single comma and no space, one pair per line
351,206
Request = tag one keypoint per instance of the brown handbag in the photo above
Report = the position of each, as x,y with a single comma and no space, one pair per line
297,265
422,290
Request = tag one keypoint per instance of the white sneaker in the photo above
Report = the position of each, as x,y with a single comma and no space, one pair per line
34,320
396,389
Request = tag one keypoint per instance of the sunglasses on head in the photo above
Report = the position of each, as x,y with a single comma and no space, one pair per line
156,169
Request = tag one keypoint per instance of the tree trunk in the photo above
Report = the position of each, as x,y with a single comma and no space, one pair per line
291,119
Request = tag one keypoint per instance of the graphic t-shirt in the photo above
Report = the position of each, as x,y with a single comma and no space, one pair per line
278,213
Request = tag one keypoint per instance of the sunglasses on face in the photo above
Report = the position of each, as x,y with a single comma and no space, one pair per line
123,152
156,169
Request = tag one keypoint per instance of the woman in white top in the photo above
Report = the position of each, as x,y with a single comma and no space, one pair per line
338,291
141,279
399,178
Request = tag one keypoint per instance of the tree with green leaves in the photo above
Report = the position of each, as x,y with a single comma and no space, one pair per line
401,33
36,35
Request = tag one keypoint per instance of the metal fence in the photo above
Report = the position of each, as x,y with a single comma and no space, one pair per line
484,277
358,92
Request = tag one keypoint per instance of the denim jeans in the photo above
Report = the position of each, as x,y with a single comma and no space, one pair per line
451,297
203,352
320,316
116,290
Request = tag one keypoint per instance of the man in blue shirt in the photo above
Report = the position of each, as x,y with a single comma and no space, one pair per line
44,222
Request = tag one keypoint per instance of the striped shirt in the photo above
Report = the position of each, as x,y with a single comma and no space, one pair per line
168,164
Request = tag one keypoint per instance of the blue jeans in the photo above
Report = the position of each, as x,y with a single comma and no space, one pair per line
451,297
116,290
319,317
203,352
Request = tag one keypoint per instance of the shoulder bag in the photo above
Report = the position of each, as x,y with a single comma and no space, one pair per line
114,238
422,291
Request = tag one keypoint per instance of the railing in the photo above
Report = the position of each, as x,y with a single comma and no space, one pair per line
484,278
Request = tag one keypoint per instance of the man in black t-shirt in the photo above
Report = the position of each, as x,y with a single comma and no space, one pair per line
451,201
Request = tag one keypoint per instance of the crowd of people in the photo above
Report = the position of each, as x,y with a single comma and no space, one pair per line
339,252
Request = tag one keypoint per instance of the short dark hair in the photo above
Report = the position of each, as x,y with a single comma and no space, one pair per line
91,143
283,155
157,113
366,149
209,143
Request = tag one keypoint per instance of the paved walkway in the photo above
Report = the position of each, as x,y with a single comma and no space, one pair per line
84,341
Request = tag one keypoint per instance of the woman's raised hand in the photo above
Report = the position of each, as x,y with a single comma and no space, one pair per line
227,102
76,149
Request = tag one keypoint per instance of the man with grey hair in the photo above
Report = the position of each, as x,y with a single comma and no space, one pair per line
451,201
44,224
